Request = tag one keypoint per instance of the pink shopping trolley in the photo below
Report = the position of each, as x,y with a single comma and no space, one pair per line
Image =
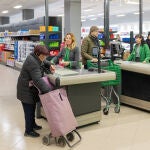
60,117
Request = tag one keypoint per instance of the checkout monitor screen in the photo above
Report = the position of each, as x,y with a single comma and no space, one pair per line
95,51
116,49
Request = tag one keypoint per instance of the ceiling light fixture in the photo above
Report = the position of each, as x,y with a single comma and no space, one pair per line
100,14
93,18
83,20
137,13
18,6
61,15
5,11
87,10
121,15
91,15
132,2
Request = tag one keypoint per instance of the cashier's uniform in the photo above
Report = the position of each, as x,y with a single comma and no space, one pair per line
140,53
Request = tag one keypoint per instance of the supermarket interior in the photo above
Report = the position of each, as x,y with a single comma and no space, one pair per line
102,79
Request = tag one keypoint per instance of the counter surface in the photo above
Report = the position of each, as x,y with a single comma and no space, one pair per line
138,67
135,84
65,76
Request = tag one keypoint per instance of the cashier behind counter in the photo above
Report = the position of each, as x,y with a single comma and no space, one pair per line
141,51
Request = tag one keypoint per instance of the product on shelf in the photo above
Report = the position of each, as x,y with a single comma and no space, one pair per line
5,55
50,28
54,36
23,49
10,62
34,31
54,52
23,37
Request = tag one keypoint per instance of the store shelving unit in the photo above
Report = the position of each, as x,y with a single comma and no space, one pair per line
54,42
19,39
11,50
111,33
54,36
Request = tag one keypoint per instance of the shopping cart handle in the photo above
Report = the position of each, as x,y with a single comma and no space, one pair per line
92,69
107,58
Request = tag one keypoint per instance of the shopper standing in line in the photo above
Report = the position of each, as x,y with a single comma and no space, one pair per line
88,44
148,40
118,38
141,51
33,70
69,55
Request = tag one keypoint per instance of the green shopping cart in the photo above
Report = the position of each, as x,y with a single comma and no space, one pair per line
109,85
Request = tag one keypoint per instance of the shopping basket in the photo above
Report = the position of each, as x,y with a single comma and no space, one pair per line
110,84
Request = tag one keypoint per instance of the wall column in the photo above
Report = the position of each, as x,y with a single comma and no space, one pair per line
106,23
140,16
72,18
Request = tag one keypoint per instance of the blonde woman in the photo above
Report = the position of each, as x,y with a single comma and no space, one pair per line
69,56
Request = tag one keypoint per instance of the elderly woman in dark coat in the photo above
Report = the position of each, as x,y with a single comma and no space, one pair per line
33,70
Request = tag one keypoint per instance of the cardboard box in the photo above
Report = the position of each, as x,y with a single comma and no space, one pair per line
6,55
126,55
10,62
34,31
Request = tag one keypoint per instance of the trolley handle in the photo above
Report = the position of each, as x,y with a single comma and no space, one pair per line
76,141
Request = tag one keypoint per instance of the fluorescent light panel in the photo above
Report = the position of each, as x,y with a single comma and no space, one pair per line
137,13
132,2
91,15
121,15
5,11
18,6
87,10
61,15
100,14
93,18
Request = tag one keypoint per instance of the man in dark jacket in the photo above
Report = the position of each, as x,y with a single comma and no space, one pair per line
88,44
33,70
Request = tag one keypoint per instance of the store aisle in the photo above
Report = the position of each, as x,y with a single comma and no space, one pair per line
128,130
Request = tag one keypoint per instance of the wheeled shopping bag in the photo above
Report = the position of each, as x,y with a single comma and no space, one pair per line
60,117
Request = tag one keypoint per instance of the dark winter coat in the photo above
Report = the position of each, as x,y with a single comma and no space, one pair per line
87,48
32,69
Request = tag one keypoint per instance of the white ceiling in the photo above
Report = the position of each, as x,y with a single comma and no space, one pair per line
57,6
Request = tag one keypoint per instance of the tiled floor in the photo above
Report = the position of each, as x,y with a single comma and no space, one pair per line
128,130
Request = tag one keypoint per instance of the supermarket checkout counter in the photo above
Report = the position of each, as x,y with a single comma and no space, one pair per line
135,84
83,89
